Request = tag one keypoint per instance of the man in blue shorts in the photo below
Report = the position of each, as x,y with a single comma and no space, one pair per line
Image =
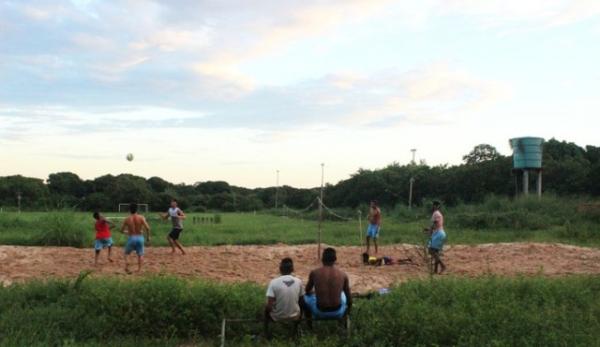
327,290
134,226
438,238
374,225
103,236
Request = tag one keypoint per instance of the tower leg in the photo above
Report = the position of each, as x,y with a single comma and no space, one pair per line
526,182
539,184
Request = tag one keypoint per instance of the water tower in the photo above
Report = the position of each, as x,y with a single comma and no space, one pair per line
527,157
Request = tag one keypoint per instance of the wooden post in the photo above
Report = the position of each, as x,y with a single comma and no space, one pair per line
412,181
321,211
360,231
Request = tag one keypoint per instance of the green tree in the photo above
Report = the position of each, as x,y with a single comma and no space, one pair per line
481,153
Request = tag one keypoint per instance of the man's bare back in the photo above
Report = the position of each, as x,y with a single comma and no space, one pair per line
135,224
329,283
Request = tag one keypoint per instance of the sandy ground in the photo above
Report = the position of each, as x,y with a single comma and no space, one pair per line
260,263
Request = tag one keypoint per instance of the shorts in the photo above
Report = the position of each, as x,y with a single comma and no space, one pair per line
311,303
135,243
100,244
174,234
373,231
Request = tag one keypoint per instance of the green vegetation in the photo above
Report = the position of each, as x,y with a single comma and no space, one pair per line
488,311
568,170
497,219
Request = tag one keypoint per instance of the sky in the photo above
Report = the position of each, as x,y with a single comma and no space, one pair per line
236,90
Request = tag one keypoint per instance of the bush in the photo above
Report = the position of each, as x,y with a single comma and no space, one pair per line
445,312
61,229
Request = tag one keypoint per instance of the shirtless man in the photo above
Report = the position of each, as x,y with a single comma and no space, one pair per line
374,225
438,237
135,225
331,298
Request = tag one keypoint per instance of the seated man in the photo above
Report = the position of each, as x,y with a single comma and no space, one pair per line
284,295
331,298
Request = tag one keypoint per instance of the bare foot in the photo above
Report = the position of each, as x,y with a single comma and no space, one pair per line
128,271
110,260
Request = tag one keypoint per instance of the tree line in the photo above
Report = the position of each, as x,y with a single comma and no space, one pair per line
568,170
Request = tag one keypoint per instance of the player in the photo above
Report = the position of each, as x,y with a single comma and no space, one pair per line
103,236
135,225
331,298
374,225
177,216
438,237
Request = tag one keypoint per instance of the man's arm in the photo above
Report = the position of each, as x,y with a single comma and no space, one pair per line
311,283
110,224
180,214
146,228
124,226
269,305
164,216
347,292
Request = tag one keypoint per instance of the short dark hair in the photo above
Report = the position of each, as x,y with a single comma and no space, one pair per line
329,256
375,202
96,215
173,200
436,203
286,266
133,207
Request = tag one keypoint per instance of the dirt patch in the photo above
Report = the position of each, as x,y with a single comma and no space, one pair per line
260,263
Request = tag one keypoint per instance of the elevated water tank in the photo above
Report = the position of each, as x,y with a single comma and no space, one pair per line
527,152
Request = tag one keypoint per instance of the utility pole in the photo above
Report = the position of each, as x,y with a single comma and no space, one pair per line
321,210
414,152
19,202
410,191
277,191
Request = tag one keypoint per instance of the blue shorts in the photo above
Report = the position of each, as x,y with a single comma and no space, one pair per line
135,242
373,231
100,244
311,301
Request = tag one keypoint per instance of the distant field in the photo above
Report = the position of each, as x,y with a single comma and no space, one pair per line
32,228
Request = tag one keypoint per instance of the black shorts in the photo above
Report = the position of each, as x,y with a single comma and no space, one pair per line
434,251
174,234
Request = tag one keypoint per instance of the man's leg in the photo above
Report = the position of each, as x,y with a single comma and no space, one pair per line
307,311
368,244
171,243
267,321
442,265
375,243
140,261
109,252
97,253
178,244
126,256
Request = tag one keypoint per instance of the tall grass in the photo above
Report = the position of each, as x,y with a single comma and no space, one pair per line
488,311
61,229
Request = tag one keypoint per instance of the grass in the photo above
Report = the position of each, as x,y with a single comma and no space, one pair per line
497,220
489,311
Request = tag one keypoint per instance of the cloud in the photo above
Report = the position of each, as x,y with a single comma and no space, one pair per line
536,13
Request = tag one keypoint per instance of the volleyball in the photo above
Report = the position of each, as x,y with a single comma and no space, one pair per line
129,157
